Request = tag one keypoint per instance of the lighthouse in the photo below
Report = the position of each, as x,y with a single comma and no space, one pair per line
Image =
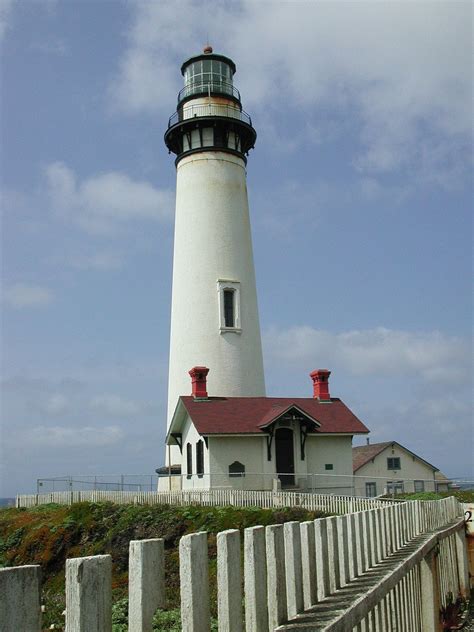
214,311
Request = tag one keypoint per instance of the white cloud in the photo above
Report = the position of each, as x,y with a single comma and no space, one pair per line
106,260
381,352
100,203
6,7
116,406
86,436
148,76
56,404
21,295
400,72
50,47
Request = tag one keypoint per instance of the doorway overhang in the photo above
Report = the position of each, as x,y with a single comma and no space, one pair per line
291,417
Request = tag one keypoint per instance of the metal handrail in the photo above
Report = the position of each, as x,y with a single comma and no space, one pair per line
211,109
208,87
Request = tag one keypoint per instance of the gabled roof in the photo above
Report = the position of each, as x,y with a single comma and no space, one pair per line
252,415
365,453
278,411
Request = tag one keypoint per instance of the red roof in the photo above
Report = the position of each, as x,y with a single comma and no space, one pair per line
250,415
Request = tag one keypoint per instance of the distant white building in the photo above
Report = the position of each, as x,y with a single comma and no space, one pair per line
389,467
261,443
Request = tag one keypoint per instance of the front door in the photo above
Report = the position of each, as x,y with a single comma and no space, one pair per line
285,459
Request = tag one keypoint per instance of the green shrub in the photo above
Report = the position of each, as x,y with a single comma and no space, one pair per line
49,534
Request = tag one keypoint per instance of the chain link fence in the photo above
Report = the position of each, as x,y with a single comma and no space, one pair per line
119,482
339,484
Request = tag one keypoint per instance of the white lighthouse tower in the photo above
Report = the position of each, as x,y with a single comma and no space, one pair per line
214,313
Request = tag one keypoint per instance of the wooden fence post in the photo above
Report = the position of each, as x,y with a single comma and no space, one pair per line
89,594
20,598
146,583
294,571
321,545
194,580
308,559
333,555
229,586
255,579
429,593
276,582
463,563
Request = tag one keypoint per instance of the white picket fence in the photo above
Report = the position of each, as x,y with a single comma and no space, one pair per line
374,569
216,498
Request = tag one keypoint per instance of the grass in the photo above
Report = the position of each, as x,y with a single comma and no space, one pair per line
49,534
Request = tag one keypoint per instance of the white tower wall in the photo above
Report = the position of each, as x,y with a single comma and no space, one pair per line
213,243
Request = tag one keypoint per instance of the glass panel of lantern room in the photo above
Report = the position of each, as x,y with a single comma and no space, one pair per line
207,137
195,139
194,71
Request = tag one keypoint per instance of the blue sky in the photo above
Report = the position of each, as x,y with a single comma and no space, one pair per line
360,190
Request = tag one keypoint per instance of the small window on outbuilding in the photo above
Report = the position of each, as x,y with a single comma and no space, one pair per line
329,466
189,460
371,490
419,486
200,458
236,469
395,487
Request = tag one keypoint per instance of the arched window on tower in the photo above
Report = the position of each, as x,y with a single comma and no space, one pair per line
229,308
200,458
229,305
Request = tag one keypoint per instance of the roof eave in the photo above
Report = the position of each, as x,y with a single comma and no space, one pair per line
388,444
283,412
179,415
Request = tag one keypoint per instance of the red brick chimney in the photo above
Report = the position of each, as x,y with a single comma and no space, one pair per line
199,382
320,379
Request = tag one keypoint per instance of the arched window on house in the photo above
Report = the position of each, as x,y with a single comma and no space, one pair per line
200,458
236,469
189,460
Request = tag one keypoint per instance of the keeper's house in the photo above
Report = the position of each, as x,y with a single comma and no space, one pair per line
387,468
263,443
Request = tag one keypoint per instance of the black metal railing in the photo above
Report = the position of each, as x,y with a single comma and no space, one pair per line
208,87
211,109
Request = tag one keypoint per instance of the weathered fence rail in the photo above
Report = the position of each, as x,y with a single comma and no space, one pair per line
216,497
384,568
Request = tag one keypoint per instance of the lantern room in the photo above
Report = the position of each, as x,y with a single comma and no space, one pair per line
208,74
209,115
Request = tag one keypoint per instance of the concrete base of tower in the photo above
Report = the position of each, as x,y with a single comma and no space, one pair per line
169,476
169,483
